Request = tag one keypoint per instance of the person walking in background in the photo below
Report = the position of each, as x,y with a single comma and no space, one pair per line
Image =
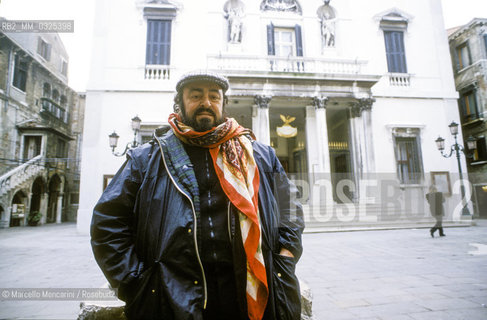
435,200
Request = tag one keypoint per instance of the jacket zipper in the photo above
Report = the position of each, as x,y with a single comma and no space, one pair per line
195,224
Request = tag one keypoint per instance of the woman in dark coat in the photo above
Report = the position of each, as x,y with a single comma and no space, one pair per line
435,200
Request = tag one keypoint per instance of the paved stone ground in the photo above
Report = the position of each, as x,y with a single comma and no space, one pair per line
388,274
397,274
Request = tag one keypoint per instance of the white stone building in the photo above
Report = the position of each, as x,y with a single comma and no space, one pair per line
369,85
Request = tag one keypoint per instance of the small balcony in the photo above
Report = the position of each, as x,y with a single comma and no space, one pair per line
53,109
400,79
157,72
299,65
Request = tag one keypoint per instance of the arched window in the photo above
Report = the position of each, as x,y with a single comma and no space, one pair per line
46,90
55,96
63,101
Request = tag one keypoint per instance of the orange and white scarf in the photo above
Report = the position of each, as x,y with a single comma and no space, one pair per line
238,174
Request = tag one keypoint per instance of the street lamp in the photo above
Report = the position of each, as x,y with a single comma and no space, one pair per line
113,138
457,148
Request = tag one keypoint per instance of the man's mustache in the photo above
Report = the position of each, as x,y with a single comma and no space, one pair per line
205,110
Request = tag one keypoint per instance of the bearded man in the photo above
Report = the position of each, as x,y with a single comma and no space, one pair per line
201,223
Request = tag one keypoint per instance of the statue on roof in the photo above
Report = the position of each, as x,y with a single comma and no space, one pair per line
327,16
234,13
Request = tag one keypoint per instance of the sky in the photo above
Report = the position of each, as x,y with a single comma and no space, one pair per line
78,44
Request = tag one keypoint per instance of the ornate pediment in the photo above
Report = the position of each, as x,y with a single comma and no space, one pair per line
159,9
393,19
281,5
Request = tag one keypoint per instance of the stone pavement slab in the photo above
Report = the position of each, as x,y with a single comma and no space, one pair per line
381,275
397,274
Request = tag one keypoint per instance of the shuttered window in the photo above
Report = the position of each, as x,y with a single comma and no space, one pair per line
284,42
299,41
408,160
463,56
396,56
270,40
20,73
44,49
158,51
468,105
480,154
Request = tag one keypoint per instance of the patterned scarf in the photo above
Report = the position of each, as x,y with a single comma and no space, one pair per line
238,174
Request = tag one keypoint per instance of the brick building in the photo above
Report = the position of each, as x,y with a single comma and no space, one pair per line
468,48
41,120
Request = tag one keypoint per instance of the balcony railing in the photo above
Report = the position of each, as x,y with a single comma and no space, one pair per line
478,66
157,71
285,64
18,175
54,109
400,79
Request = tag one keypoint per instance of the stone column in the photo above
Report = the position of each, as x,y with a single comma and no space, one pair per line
43,207
59,207
324,174
355,144
361,136
369,157
262,125
27,208
8,215
319,104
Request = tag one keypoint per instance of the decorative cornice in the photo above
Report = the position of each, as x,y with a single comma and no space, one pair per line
474,23
262,101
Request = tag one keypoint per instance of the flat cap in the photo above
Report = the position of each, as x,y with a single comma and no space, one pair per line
202,76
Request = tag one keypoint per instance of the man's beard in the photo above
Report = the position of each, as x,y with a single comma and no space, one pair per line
204,124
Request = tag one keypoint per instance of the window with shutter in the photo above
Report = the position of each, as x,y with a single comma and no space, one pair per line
158,50
270,40
480,154
468,105
44,49
463,56
20,73
299,40
408,160
285,44
64,67
395,52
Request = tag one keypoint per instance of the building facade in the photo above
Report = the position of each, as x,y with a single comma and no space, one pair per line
41,129
468,48
350,94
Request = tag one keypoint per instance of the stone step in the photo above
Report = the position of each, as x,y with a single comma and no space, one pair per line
355,217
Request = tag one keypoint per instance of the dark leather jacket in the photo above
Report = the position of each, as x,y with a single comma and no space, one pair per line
144,235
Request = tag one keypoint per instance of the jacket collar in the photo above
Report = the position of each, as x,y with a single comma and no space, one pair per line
180,167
